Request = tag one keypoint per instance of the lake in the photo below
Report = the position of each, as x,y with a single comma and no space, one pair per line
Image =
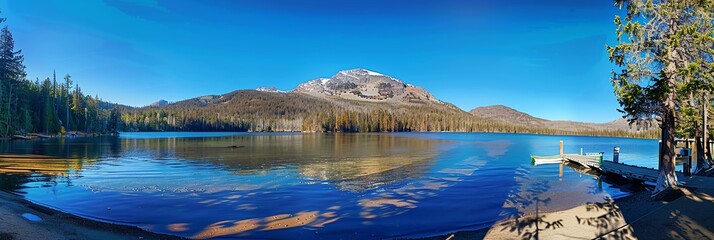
310,185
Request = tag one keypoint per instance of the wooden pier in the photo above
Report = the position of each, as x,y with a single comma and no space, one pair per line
585,161
643,174
635,173
630,171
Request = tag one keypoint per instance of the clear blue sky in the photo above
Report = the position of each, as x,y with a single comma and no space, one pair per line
542,57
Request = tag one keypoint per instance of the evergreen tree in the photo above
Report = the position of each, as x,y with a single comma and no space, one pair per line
68,86
654,47
12,75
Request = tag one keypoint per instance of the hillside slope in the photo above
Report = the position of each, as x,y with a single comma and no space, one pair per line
250,110
506,114
356,100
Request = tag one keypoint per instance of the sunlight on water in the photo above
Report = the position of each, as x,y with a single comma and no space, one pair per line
292,185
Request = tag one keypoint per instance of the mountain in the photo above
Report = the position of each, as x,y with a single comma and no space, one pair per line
159,103
269,89
356,100
250,110
506,114
365,85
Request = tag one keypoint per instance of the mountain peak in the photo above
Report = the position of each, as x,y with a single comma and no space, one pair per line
159,103
366,85
361,71
270,89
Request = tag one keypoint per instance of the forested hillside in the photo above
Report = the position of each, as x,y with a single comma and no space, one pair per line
509,115
356,100
248,110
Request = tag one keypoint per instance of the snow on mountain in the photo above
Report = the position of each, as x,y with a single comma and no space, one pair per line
270,89
366,85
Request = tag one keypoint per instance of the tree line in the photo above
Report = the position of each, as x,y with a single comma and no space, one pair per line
46,106
59,106
255,111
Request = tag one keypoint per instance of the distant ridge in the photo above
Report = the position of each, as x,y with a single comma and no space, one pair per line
506,114
354,100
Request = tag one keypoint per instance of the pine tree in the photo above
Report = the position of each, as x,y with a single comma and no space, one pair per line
68,86
12,74
653,52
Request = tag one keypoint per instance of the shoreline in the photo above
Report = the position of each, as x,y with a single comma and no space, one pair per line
630,217
638,203
84,135
55,224
39,136
685,215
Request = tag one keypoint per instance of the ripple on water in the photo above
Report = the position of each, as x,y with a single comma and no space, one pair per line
350,186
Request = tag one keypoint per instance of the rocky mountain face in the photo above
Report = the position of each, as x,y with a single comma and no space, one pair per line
509,115
270,89
354,100
342,90
159,103
365,85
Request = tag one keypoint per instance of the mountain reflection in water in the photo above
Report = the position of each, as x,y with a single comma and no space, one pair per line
294,185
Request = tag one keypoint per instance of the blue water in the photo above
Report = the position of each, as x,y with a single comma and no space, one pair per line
310,186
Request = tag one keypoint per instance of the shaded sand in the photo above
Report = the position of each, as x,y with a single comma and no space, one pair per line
58,225
690,216
583,222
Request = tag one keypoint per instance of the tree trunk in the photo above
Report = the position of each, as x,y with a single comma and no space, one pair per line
67,114
699,147
704,156
705,128
667,178
7,119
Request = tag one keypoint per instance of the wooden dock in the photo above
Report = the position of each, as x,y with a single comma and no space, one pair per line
585,161
635,173
643,174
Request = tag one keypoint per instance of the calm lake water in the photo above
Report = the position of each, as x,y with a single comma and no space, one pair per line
310,186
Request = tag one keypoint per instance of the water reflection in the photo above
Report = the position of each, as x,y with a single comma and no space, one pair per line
353,162
31,163
496,148
275,222
262,165
309,186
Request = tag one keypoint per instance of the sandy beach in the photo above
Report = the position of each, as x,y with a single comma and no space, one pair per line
633,217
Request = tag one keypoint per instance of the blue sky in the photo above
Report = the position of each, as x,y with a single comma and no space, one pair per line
546,57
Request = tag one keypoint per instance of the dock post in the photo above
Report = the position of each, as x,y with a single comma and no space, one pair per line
616,154
560,171
561,148
686,168
581,151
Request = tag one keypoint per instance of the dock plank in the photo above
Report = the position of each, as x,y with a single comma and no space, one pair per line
634,172
586,161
